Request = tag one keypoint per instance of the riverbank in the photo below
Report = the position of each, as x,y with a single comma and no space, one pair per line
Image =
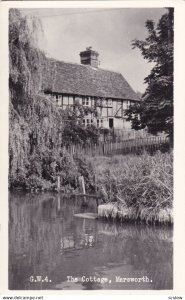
136,188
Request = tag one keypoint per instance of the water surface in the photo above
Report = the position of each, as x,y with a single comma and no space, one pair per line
45,239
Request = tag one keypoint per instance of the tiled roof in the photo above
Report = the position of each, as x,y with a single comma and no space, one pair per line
69,78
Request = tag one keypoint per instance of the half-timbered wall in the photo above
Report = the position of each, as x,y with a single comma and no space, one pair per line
107,109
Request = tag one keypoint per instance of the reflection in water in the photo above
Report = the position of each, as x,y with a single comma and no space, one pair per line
47,240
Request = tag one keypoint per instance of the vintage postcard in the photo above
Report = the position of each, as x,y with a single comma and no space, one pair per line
92,134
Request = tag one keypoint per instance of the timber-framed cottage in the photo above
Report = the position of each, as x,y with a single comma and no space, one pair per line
88,85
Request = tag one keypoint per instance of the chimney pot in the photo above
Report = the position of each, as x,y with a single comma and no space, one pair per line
89,57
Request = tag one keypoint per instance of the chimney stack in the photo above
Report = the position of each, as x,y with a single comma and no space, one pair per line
89,57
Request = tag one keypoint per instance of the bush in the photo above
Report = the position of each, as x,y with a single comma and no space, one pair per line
75,133
35,182
85,169
143,183
67,169
18,180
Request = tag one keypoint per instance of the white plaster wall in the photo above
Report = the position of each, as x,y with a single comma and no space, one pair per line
70,100
126,124
65,100
105,123
118,123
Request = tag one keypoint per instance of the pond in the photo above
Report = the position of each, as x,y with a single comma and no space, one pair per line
50,249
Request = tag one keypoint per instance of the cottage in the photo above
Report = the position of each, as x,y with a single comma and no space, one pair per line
90,86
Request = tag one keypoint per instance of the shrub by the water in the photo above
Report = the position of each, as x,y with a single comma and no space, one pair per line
136,187
37,128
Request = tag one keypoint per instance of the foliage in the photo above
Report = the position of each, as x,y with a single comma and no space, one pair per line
74,130
75,133
155,111
35,124
24,59
114,211
140,185
36,130
86,170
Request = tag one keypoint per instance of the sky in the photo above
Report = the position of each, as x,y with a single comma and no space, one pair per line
67,32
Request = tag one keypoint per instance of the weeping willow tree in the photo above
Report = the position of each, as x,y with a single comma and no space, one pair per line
35,124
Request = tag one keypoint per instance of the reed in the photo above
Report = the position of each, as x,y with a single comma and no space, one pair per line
137,188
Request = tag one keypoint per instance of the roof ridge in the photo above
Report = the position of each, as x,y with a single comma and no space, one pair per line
75,78
81,65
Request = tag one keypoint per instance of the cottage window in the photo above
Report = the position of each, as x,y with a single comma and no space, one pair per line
87,122
99,122
56,99
128,104
87,102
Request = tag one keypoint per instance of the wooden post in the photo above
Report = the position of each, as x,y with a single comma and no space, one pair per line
58,203
95,185
83,189
96,190
58,183
82,185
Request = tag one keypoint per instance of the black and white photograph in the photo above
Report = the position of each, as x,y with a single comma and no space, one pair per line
91,138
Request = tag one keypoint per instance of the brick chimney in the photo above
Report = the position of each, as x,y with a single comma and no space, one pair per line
89,57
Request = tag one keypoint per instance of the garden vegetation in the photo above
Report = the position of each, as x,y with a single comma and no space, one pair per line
38,130
133,187
136,188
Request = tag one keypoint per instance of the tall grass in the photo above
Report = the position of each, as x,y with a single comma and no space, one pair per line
136,187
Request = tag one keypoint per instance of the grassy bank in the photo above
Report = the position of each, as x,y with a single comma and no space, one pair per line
136,188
